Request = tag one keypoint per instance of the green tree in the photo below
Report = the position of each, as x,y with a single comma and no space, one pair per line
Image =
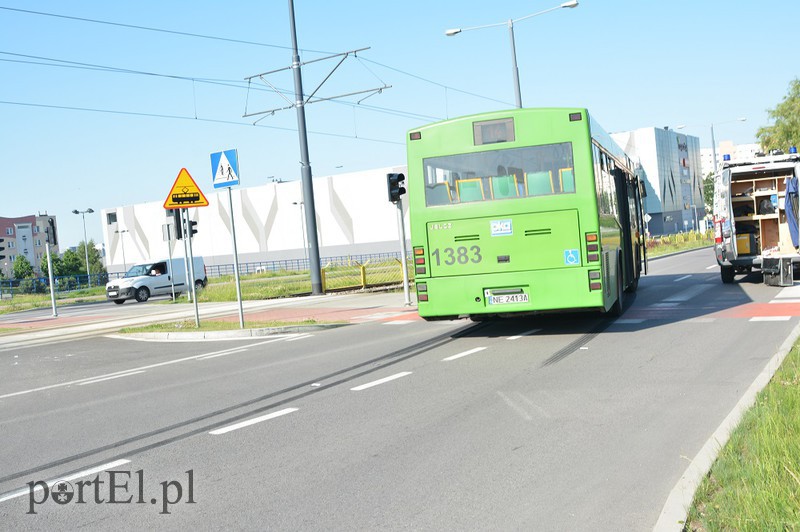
22,268
71,264
95,259
57,267
708,191
785,130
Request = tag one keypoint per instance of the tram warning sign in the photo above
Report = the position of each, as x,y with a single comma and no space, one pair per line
185,193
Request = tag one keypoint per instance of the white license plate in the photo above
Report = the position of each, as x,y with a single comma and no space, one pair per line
112,294
508,298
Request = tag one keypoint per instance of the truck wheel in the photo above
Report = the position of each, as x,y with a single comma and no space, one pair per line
198,285
727,274
142,294
119,301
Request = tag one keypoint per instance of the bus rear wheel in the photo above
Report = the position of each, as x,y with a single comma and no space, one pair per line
617,308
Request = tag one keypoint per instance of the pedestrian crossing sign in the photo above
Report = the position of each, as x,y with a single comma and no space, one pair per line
185,193
225,168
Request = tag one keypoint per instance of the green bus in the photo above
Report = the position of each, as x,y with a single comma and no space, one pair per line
522,211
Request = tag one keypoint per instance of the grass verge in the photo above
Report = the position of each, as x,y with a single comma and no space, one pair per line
755,482
211,325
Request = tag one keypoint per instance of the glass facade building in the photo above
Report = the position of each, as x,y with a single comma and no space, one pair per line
669,163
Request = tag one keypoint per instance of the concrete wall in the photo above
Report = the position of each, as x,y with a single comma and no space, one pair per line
353,216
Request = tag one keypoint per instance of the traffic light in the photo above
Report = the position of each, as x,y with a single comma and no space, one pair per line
395,185
192,228
177,224
2,248
50,231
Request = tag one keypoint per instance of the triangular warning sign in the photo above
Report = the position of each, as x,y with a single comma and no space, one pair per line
185,193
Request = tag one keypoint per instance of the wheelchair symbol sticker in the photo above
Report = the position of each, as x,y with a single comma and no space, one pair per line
572,257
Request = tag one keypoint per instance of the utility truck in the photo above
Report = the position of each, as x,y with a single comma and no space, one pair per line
756,216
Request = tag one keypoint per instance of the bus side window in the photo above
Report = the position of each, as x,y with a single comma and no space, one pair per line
539,183
470,189
503,186
438,194
566,176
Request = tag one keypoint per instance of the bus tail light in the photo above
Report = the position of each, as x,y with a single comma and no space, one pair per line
594,280
419,261
422,292
592,248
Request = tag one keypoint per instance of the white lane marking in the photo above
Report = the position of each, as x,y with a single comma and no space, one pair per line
253,421
305,335
225,353
380,381
110,378
712,266
628,321
789,292
770,318
664,305
786,300
398,322
689,293
681,278
526,333
193,357
51,483
463,354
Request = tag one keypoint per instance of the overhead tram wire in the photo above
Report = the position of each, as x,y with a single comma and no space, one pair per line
159,30
239,41
237,84
191,118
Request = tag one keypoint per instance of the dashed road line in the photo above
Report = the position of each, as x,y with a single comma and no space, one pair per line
465,353
253,421
526,333
380,381
110,378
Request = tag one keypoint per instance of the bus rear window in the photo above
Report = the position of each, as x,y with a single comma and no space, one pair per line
499,174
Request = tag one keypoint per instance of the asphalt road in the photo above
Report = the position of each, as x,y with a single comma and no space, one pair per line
568,422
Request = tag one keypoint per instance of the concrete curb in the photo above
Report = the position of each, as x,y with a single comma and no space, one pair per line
676,509
231,334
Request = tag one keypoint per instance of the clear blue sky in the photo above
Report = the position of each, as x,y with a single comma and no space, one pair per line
103,115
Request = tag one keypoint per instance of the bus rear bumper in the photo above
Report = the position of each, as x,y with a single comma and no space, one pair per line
510,293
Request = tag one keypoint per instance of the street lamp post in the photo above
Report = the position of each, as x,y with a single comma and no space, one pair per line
85,242
713,140
122,240
510,24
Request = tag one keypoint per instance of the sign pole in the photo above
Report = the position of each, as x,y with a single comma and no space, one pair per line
51,278
168,234
225,174
404,258
185,257
236,262
191,271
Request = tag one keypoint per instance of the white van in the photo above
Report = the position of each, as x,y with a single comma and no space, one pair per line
155,278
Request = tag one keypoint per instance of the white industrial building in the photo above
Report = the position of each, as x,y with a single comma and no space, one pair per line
353,214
